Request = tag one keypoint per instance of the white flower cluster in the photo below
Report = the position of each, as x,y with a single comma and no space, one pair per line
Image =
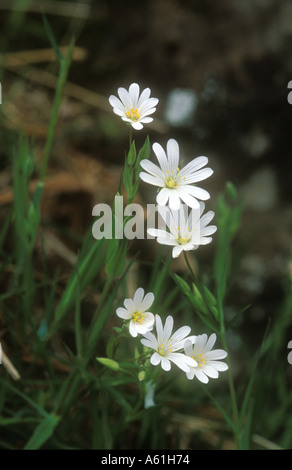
176,185
185,231
192,354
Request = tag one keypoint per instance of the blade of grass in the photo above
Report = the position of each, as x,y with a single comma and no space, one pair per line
42,432
64,69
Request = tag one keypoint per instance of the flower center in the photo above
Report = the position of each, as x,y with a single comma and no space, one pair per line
183,240
171,182
161,350
165,349
199,358
138,316
133,114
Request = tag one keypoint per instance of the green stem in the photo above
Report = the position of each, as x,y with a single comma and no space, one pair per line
130,136
223,340
232,391
65,63
190,269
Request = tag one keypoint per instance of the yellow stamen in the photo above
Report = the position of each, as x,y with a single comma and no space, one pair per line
133,114
138,316
182,240
171,182
200,360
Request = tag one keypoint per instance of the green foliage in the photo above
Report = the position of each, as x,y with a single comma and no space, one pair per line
81,371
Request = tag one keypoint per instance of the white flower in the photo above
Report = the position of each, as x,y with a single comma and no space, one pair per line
132,108
208,364
135,310
185,231
167,345
176,183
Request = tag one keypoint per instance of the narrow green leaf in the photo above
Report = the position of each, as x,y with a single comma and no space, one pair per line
42,432
209,296
132,154
182,284
115,265
144,153
51,38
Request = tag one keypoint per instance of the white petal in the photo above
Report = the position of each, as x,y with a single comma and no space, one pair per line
149,343
177,251
191,374
159,329
116,103
142,328
165,364
166,241
123,313
200,344
168,327
119,112
181,333
163,196
146,120
211,372
132,329
129,304
201,376
194,165
144,96
153,169
150,179
173,154
134,91
147,301
158,232
125,98
218,365
137,125
187,198
182,361
198,176
138,296
174,200
210,343
147,106
148,320
155,359
205,240
161,156
188,347
216,354
208,230
206,218
198,193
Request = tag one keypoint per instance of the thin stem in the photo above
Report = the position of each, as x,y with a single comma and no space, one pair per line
190,268
130,136
232,391
64,68
222,335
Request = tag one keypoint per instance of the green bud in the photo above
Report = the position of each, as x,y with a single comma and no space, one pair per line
141,375
110,363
